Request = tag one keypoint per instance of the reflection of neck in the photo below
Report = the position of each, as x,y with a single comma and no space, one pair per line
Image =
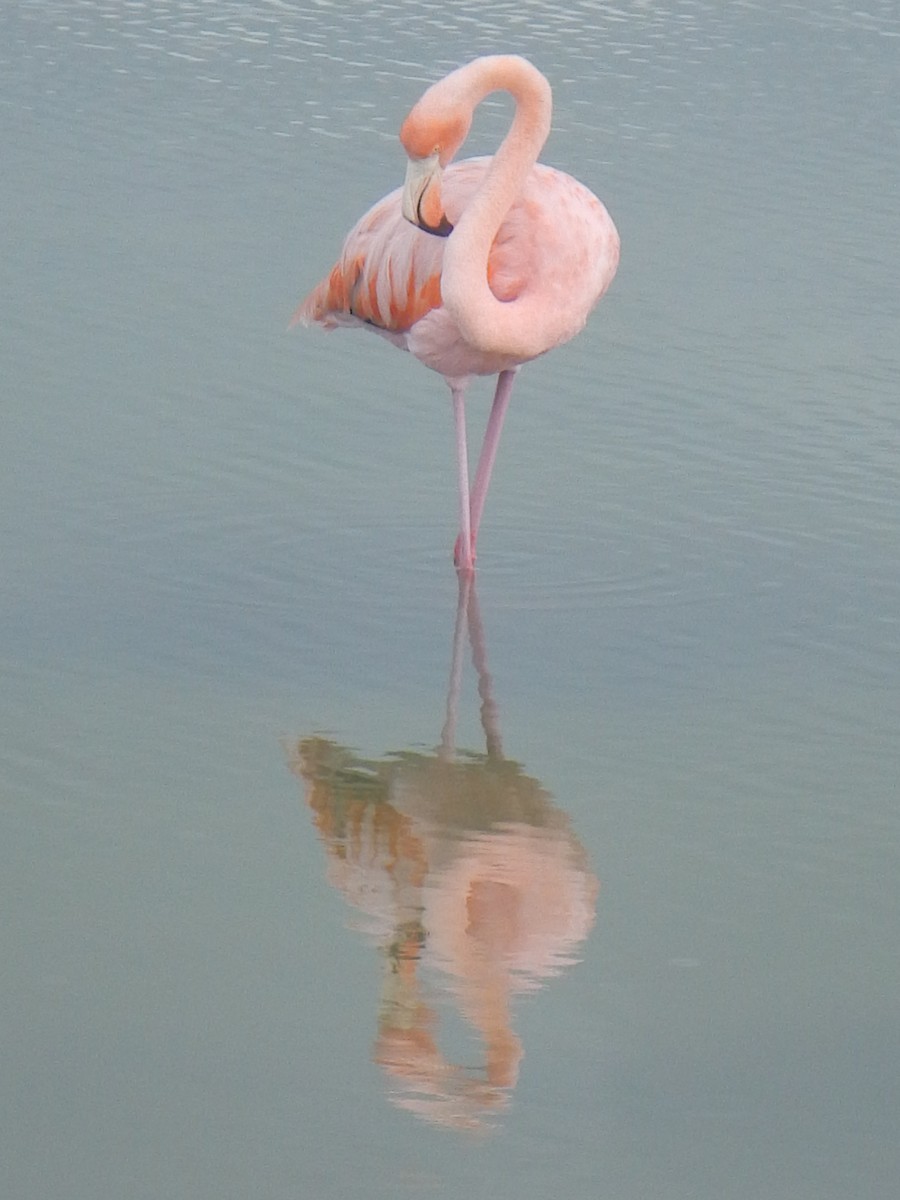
503,1053
468,616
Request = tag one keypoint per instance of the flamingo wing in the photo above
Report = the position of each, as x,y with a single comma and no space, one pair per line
388,275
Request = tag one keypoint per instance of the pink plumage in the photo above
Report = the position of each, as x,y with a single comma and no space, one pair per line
477,268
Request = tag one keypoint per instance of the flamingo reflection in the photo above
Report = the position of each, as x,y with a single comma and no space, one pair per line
460,862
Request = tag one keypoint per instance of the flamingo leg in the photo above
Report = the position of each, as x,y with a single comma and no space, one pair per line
463,555
505,382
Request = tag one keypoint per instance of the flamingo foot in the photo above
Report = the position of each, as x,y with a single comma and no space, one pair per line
465,563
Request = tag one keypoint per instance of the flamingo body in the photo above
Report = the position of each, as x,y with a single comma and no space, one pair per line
530,251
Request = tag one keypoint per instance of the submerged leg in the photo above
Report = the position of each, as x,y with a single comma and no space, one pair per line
463,556
505,382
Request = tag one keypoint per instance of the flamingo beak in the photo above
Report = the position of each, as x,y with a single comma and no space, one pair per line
422,205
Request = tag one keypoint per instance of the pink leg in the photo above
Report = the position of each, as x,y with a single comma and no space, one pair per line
462,553
505,383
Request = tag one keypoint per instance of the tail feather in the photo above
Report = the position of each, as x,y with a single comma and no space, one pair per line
319,307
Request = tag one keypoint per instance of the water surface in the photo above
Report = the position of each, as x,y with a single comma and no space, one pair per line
278,805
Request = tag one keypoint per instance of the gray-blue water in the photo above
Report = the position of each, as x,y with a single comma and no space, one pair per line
320,879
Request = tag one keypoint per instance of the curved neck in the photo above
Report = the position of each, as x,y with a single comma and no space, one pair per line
486,322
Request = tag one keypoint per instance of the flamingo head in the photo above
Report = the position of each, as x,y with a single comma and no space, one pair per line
430,138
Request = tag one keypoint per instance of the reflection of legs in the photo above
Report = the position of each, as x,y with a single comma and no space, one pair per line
468,614
505,383
462,553
490,718
466,583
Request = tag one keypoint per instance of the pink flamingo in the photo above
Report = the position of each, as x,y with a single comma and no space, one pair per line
479,268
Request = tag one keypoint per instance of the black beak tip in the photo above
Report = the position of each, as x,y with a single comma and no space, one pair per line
444,229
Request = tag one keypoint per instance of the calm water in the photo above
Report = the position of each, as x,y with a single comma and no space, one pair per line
321,879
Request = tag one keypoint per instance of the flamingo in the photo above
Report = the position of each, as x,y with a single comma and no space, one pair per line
478,266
